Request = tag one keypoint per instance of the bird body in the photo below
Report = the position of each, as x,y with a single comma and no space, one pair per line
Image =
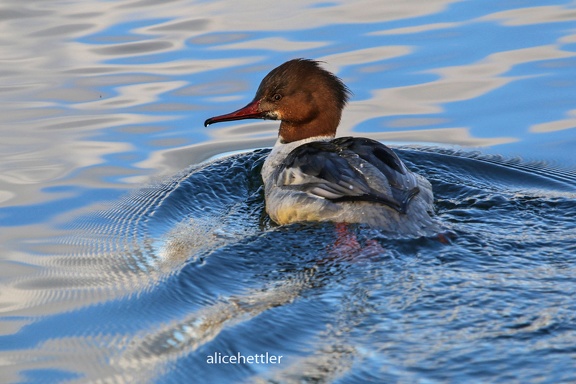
312,176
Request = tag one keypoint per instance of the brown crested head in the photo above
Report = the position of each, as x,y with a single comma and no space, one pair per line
304,96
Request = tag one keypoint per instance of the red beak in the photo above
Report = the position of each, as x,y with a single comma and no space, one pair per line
248,112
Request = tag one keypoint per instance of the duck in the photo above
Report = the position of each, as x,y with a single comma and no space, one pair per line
312,176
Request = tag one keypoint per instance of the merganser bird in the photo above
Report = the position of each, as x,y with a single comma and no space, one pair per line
311,176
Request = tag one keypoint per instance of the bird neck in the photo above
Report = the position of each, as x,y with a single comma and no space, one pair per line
323,124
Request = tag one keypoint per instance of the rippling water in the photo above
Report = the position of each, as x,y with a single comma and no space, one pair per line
134,247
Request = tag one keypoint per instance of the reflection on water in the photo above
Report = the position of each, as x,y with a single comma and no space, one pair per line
190,266
101,97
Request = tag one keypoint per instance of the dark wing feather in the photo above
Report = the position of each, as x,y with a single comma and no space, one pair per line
326,169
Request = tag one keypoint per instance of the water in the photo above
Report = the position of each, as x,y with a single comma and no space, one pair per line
127,256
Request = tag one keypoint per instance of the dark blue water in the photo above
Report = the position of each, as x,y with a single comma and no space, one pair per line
192,269
128,256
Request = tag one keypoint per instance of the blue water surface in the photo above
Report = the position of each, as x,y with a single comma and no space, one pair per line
135,246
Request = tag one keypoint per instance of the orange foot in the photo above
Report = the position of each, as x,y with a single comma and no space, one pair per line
446,237
347,248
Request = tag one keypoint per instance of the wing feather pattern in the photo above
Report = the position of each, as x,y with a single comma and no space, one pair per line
343,169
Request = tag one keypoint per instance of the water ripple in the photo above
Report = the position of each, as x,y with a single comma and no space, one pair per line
97,97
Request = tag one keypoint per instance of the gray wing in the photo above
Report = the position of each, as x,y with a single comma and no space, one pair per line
344,169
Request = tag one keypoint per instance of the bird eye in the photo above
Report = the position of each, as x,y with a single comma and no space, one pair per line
277,97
